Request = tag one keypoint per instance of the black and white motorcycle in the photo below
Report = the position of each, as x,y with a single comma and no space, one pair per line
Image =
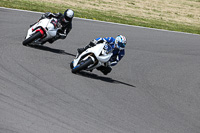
42,31
92,58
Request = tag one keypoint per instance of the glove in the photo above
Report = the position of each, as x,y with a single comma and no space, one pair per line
46,15
101,41
49,15
94,42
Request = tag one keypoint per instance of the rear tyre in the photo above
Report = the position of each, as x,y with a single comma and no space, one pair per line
82,66
32,38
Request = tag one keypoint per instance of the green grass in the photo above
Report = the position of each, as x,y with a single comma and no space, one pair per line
103,16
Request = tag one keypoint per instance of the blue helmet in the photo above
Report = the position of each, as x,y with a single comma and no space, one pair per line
120,41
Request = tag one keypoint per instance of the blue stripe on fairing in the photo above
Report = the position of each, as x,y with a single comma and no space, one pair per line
76,66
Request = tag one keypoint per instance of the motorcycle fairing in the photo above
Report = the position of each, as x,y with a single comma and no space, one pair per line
96,51
45,25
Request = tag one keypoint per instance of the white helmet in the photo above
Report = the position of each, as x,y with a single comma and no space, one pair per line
120,41
69,14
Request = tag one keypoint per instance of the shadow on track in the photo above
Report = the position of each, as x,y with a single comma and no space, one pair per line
106,79
53,50
85,74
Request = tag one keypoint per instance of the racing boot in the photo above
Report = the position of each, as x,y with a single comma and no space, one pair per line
54,38
105,70
80,50
51,40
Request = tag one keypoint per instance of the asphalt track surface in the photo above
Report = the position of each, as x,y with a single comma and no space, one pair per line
154,89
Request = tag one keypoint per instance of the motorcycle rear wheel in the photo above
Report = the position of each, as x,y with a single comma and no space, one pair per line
32,38
83,66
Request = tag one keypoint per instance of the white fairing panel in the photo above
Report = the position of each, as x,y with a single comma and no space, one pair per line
46,25
96,50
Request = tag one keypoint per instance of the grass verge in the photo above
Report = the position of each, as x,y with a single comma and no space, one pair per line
103,16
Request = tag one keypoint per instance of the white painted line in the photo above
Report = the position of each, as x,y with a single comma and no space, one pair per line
106,22
20,10
138,26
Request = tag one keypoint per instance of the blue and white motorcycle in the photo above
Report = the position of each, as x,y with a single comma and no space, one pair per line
92,58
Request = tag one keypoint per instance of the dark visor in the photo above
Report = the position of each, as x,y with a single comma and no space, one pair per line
121,44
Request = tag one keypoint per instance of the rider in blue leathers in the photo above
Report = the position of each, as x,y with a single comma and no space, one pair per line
118,44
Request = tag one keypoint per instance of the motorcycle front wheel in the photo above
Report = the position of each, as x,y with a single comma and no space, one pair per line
82,65
32,38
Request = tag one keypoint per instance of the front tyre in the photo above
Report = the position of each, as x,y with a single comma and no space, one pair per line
71,65
32,38
82,65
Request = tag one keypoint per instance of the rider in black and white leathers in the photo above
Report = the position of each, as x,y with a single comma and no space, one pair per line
65,20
